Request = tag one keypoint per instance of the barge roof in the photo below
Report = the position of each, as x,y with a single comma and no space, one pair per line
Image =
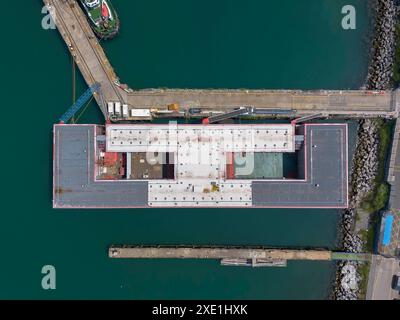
171,137
74,184
325,184
326,173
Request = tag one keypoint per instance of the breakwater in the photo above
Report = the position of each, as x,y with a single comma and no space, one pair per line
365,165
363,174
383,46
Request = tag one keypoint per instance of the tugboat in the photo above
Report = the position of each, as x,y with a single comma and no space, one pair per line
102,17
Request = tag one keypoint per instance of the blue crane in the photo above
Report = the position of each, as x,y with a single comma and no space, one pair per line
80,102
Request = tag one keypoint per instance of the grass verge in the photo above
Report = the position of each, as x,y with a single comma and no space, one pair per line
378,198
363,269
368,237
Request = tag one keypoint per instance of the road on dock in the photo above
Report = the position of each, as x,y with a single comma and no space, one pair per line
332,102
380,278
95,67
85,48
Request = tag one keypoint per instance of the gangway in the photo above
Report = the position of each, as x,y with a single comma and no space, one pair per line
80,102
229,115
308,118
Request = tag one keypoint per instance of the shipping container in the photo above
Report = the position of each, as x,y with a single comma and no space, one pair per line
110,107
125,110
138,113
118,108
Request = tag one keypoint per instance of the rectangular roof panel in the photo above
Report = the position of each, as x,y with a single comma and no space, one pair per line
230,138
74,183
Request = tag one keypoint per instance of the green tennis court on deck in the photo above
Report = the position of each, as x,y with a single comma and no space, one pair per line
259,166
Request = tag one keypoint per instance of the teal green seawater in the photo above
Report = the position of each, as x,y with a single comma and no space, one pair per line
177,43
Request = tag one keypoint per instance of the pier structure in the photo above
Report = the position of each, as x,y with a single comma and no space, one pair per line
86,50
326,103
240,256
145,104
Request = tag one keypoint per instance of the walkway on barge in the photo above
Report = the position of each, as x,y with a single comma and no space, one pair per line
95,67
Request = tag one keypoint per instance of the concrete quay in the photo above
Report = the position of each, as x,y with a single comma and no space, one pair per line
229,253
95,67
216,253
328,102
381,277
84,47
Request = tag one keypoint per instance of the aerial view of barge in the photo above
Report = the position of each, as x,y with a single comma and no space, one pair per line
174,165
233,148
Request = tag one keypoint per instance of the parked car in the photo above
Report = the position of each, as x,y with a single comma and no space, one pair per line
396,282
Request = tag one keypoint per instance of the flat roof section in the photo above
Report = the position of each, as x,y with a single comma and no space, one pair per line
74,185
199,193
326,183
229,138
266,166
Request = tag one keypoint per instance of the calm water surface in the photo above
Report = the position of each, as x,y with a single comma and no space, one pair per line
177,43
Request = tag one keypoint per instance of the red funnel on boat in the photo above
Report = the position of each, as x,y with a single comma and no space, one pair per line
104,11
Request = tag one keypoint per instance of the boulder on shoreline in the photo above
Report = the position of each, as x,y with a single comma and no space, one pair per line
380,71
364,171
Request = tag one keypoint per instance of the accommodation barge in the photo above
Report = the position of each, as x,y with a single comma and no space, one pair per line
177,165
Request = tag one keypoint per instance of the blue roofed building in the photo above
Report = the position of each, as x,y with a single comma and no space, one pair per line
389,234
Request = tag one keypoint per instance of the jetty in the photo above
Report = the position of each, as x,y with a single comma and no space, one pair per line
85,49
148,103
233,255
